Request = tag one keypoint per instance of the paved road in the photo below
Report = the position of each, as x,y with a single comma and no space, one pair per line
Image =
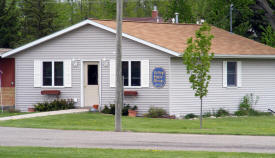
92,139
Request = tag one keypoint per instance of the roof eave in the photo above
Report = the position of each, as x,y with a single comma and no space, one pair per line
223,56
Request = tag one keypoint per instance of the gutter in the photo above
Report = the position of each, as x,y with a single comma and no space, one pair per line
225,56
221,56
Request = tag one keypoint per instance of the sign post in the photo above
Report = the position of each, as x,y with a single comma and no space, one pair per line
1,91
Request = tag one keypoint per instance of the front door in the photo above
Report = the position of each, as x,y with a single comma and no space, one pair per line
91,83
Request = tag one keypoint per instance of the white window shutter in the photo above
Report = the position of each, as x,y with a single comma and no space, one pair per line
145,73
112,73
67,73
239,73
224,73
37,74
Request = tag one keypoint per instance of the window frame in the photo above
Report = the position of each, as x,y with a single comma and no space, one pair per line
130,74
53,70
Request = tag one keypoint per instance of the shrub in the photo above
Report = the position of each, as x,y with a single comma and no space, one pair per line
13,110
253,112
246,106
222,112
112,108
241,113
106,110
125,110
207,114
59,104
134,108
155,112
189,116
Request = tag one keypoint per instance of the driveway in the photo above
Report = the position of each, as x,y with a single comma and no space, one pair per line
126,140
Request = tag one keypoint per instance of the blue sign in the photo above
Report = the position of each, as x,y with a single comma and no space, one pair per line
158,77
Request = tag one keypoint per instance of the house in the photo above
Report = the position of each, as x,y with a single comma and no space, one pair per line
7,80
79,63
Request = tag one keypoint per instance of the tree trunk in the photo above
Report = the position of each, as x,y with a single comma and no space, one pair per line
201,115
269,12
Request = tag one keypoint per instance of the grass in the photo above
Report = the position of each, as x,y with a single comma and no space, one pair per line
258,125
45,152
5,114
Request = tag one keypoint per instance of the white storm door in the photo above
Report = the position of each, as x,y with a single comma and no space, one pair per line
91,87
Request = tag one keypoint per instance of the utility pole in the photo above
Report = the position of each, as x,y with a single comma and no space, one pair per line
231,9
119,88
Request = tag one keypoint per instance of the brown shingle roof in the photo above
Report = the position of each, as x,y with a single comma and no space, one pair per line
174,37
4,50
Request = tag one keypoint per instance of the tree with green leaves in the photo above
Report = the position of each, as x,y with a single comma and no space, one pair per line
268,36
9,24
197,59
39,19
183,8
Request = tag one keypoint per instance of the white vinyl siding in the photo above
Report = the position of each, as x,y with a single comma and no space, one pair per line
257,77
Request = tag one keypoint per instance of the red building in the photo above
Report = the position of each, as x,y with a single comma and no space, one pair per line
7,66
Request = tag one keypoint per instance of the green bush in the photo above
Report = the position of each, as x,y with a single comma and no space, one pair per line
246,106
59,104
241,113
207,114
190,116
155,112
111,109
222,112
125,110
106,110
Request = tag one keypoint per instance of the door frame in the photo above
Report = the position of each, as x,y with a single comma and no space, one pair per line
82,79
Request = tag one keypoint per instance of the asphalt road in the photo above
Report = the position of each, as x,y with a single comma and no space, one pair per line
126,140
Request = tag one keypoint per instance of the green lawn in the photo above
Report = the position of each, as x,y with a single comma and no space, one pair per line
5,114
42,152
258,125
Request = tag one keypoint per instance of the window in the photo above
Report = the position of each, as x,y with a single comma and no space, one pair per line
125,72
47,73
232,74
92,75
135,73
58,73
53,73
131,73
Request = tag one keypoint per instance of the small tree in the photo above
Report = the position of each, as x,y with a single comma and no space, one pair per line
197,59
268,36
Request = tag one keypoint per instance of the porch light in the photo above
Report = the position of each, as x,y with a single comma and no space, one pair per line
105,62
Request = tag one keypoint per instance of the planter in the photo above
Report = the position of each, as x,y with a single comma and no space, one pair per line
132,113
50,92
31,110
130,93
95,106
